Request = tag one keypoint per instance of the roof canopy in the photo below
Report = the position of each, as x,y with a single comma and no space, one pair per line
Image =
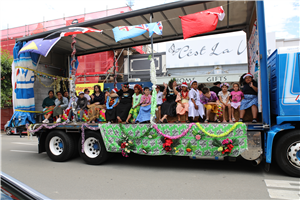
237,17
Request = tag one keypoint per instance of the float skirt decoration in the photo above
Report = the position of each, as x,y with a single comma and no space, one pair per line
141,136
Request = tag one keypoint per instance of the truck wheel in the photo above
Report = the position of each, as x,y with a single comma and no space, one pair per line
288,153
59,146
94,150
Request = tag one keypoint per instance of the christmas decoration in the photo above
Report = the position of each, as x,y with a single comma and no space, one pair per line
226,145
190,147
154,145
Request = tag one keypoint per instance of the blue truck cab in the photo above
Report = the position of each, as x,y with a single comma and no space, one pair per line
284,72
283,137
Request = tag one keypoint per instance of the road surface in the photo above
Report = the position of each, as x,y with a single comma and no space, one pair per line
142,177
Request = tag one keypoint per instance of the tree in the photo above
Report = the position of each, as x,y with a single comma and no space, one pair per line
6,87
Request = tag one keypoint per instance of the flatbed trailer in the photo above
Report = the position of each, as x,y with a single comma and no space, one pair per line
277,136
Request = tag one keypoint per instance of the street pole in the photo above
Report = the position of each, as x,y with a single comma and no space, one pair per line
152,54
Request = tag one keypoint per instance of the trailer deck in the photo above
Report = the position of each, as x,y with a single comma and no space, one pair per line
78,125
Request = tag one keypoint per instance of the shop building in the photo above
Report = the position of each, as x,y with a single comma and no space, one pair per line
207,59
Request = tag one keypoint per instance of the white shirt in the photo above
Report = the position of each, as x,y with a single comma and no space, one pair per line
194,94
159,97
88,98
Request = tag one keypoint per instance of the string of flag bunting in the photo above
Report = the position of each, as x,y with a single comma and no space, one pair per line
192,24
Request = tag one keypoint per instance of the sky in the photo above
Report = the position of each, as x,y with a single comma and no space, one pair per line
282,16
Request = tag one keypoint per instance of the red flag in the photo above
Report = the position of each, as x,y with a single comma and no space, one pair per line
201,22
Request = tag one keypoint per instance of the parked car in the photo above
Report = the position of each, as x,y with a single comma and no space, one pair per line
14,189
11,130
8,130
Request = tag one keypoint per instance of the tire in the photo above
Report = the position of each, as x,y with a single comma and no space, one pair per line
59,146
287,153
94,149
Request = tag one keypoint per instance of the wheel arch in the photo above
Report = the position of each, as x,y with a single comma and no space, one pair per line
272,137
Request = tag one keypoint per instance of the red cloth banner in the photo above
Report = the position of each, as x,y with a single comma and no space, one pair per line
201,22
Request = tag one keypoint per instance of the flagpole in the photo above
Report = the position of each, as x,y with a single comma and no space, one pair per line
73,72
152,55
153,80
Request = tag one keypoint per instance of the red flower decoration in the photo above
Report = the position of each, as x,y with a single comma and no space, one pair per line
188,149
167,148
123,145
230,147
225,151
168,141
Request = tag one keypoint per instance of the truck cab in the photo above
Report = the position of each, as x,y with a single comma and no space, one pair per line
284,84
282,141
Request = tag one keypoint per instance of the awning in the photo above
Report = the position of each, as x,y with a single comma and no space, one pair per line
237,17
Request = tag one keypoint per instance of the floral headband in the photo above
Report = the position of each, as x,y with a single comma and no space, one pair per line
138,87
125,85
248,74
226,84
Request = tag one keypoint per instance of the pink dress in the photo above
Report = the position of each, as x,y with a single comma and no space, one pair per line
236,98
181,110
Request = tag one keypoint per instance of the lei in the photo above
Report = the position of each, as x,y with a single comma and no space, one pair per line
107,103
200,127
184,95
221,135
138,101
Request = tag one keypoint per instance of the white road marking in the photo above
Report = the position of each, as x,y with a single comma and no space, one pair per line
283,194
282,189
23,151
24,143
283,184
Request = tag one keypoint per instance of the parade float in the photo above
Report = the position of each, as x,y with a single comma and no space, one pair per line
96,141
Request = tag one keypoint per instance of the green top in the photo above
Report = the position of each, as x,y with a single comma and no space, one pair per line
136,99
48,102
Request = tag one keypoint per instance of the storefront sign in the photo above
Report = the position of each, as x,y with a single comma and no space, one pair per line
201,79
207,50
90,86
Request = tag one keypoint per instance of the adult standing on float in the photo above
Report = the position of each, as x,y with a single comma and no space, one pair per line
125,95
168,108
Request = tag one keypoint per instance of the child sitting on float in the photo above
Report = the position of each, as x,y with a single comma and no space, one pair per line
112,101
145,109
211,102
81,106
182,100
236,97
224,97
134,111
